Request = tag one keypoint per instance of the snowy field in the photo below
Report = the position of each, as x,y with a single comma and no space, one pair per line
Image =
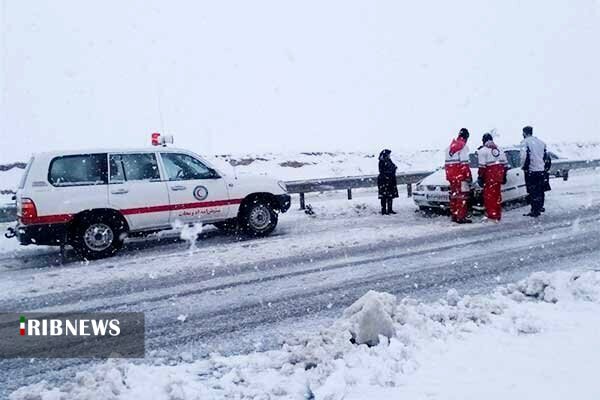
266,317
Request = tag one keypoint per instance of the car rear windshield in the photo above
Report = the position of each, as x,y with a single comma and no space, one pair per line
78,170
514,158
473,160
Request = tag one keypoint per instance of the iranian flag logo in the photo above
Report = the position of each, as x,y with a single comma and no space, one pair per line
22,325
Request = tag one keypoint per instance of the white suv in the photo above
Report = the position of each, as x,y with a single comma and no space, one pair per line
92,200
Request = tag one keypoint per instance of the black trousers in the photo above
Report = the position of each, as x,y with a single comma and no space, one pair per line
386,205
535,189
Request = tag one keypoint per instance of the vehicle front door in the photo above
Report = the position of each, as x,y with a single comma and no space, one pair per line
137,190
197,192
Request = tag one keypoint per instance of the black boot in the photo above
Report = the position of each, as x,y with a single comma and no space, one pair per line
389,206
384,210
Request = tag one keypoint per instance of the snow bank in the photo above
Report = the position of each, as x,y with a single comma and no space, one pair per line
327,365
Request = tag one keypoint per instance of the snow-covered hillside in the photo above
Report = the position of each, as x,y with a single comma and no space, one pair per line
291,166
311,165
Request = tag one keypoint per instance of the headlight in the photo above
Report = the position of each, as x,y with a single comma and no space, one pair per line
282,186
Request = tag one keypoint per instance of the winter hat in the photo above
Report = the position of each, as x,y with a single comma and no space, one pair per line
464,133
528,130
487,137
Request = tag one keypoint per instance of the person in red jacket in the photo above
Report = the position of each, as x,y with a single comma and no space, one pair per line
458,174
491,176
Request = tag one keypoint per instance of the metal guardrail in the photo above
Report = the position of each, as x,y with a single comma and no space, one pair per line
559,166
560,169
350,182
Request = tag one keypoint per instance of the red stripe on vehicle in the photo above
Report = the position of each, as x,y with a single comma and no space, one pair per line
144,210
183,206
48,219
62,218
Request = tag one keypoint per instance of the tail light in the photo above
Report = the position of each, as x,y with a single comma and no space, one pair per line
28,211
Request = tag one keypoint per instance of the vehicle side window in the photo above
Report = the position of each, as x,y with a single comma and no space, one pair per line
78,170
182,167
133,167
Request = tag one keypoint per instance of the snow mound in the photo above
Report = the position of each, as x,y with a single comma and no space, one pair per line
370,317
558,286
389,340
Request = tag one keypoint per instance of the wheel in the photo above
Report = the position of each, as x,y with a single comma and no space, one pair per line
228,226
258,218
97,236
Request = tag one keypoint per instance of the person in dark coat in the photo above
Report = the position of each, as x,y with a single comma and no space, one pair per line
386,182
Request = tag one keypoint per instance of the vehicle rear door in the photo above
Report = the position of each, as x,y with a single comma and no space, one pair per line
137,190
197,192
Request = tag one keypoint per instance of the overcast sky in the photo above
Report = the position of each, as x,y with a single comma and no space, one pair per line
253,76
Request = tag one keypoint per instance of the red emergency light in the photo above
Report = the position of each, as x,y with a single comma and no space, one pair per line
160,140
156,139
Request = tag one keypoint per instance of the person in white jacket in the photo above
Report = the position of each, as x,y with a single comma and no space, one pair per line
491,176
534,161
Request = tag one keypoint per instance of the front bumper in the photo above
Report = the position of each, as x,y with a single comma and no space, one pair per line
421,199
42,234
283,202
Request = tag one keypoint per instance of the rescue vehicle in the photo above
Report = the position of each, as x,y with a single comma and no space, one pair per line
92,200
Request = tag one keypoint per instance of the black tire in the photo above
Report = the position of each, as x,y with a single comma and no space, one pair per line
96,236
257,218
228,226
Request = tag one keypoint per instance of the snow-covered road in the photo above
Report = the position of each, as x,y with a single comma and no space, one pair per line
236,296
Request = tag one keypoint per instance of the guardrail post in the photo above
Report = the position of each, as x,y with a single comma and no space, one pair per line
409,189
302,204
565,174
349,194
